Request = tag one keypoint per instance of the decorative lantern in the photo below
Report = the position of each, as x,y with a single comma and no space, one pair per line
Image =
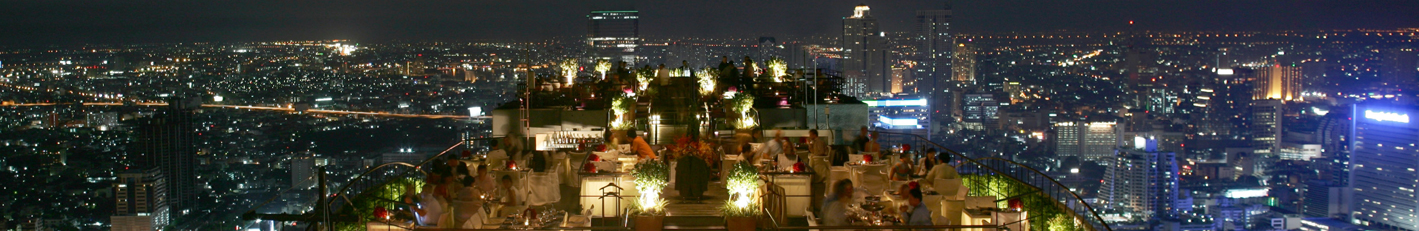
798,167
866,158
1015,203
913,185
511,164
594,158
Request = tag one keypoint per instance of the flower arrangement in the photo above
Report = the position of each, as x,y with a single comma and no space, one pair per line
743,184
651,177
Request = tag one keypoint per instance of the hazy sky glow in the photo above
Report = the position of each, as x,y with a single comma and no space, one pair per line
108,21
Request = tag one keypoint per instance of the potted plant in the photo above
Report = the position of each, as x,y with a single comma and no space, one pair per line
622,112
741,212
649,209
741,107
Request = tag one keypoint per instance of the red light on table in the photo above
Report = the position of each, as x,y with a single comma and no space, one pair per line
591,168
798,167
1016,204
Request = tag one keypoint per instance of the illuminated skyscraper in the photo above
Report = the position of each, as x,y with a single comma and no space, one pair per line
1143,181
614,35
1277,82
1383,160
141,203
934,64
864,59
963,63
167,141
1086,140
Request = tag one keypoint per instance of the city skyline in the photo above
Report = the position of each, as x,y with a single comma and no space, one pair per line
105,21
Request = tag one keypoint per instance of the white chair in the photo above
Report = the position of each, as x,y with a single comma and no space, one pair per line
836,174
854,158
812,219
544,188
953,198
873,178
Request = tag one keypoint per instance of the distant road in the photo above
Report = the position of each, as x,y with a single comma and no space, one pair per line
248,107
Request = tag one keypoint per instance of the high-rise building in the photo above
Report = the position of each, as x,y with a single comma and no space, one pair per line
1397,66
980,111
934,51
865,64
1266,126
1383,160
140,198
302,171
1321,198
167,141
1143,181
1092,141
1277,82
963,63
614,35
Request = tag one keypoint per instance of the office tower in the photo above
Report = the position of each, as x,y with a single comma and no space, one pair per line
302,171
934,51
614,35
1321,198
1383,160
141,201
1333,135
980,111
1266,126
1090,141
1277,82
1397,66
1143,181
167,141
963,63
865,64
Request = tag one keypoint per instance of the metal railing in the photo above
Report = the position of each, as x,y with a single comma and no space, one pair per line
1063,197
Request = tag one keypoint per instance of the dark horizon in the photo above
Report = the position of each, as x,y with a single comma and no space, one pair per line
38,23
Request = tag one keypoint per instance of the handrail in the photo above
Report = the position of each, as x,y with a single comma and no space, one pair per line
1094,213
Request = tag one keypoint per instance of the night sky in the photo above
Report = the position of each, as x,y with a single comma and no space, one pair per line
38,22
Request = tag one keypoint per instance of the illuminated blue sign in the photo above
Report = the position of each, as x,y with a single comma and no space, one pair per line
1386,116
896,103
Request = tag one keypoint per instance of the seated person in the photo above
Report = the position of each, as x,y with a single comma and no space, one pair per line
639,146
510,197
485,181
835,206
903,170
942,170
430,206
926,162
915,212
468,205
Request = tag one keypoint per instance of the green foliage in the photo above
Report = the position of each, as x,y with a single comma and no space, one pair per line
620,105
1039,206
741,104
651,174
1061,223
743,184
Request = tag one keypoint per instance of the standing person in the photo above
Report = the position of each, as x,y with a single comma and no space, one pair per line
872,145
915,212
728,73
859,143
662,74
639,146
835,207
771,149
817,146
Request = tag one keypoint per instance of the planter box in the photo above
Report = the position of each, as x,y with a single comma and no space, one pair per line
649,223
740,223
